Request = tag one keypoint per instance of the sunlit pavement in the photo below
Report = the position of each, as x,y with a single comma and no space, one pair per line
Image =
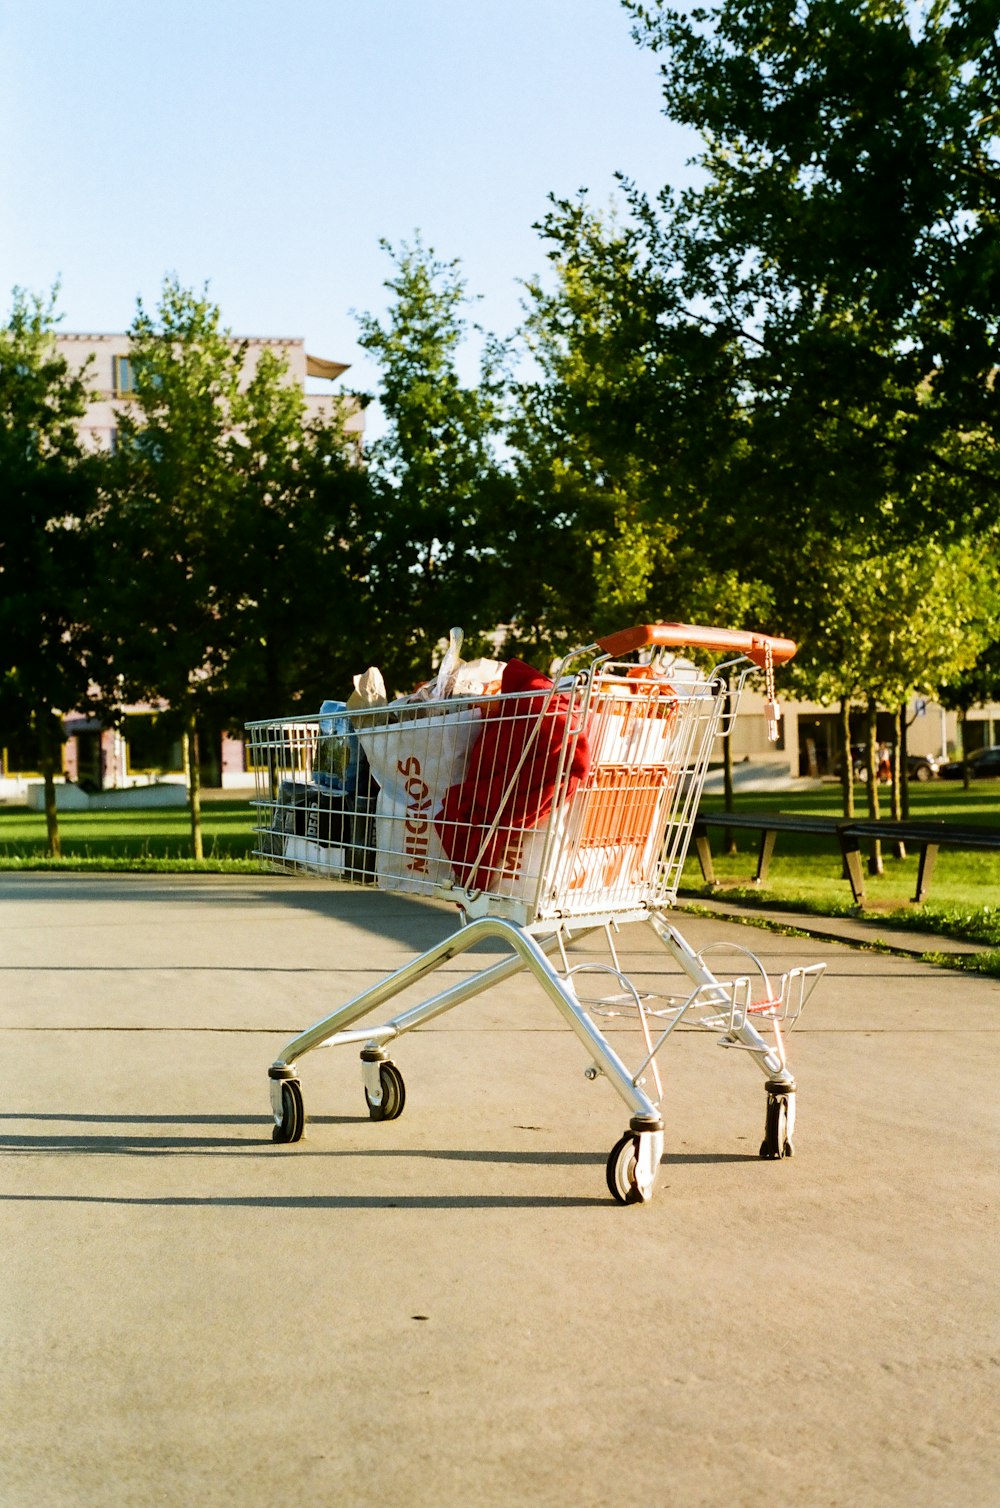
448,1308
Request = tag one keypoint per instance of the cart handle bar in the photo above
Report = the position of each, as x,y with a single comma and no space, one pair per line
691,636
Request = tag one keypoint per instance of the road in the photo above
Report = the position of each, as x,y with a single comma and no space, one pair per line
448,1308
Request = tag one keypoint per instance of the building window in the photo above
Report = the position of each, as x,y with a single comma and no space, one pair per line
20,753
153,744
122,376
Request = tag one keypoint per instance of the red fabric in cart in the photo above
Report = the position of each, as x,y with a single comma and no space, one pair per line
511,723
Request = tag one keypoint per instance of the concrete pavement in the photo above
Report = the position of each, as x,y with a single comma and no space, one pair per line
448,1308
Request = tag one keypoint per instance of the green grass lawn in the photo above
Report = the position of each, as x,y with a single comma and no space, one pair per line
149,839
806,873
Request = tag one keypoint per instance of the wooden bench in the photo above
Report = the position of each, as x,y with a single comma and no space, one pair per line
849,832
928,837
768,824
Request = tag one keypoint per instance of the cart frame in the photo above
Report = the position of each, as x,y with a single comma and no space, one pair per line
594,870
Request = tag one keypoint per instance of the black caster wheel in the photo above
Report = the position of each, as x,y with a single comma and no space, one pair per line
776,1143
292,1125
393,1094
621,1170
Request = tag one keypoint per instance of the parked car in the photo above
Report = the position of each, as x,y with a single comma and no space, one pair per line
918,766
983,765
923,766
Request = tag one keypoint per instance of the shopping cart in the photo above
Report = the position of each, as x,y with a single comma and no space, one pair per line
553,811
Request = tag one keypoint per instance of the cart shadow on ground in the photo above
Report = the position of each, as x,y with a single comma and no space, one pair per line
119,1144
416,922
122,1143
325,1201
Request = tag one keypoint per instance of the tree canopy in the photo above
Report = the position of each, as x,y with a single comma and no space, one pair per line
437,492
843,235
769,399
232,535
847,230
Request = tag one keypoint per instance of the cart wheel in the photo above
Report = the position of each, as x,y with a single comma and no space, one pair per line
776,1143
292,1124
621,1170
393,1094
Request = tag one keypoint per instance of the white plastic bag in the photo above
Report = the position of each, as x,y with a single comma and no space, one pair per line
442,683
477,678
414,759
416,753
457,677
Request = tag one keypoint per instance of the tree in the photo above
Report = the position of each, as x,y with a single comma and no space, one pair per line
844,235
625,439
232,534
169,519
47,652
882,623
939,606
847,231
297,598
438,492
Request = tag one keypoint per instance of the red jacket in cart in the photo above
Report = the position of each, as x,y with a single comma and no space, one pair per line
511,775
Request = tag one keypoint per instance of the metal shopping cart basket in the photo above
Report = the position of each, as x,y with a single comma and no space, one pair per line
559,808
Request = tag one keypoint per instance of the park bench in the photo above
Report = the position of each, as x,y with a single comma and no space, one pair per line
850,833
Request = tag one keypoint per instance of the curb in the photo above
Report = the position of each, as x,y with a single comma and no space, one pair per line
855,933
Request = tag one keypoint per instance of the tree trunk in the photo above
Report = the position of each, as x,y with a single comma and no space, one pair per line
192,770
728,840
47,745
898,768
895,797
966,772
904,766
846,763
871,760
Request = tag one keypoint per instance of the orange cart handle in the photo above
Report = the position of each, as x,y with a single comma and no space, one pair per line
692,636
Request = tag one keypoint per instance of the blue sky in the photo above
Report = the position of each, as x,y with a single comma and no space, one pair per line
265,147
